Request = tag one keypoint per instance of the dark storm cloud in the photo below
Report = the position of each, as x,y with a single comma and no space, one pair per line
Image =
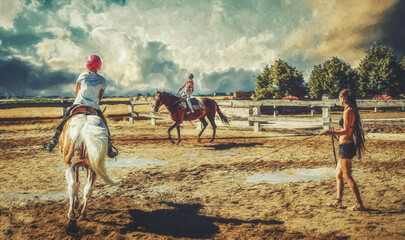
156,69
22,79
393,28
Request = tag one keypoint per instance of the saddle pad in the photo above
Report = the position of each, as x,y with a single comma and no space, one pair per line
196,103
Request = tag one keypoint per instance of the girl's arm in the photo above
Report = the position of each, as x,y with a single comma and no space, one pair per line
77,89
348,118
101,94
181,88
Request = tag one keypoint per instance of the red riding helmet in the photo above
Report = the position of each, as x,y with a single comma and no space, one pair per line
93,63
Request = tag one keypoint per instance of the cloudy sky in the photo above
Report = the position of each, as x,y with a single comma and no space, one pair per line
147,45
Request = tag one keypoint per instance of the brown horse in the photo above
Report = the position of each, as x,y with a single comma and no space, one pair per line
179,114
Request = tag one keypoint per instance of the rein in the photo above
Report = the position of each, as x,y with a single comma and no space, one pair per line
175,102
289,145
333,147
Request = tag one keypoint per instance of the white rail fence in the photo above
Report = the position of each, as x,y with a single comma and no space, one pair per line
251,113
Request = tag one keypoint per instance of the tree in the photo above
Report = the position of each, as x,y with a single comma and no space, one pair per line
262,82
331,77
379,73
402,80
279,80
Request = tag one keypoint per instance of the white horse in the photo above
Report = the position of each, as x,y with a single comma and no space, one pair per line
83,142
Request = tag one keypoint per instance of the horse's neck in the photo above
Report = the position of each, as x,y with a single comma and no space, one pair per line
171,101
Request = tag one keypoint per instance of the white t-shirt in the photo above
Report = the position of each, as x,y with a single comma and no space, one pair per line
90,86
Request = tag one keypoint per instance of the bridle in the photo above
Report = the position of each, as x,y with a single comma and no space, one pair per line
159,101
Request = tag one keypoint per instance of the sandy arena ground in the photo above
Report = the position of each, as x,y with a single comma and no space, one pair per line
245,185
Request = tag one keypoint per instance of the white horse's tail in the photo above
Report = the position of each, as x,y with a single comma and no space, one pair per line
91,132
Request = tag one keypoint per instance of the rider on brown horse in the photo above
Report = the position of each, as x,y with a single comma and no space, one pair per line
178,113
189,89
89,91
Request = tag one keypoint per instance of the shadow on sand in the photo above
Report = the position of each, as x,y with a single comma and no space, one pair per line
181,221
230,146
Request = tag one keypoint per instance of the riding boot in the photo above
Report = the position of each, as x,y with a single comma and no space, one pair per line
52,143
112,151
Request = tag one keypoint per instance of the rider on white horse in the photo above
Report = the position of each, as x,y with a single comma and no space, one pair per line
89,91
189,89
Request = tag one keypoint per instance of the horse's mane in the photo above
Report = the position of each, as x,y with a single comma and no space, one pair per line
171,95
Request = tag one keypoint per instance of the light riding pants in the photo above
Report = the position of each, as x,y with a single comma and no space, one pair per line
188,96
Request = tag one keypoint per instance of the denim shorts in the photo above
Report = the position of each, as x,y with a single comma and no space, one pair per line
347,150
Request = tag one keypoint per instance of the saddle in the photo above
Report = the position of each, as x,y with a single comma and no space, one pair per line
196,103
83,109
80,109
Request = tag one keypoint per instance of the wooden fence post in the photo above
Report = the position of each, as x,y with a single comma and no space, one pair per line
312,110
152,119
131,112
326,114
64,109
256,125
275,111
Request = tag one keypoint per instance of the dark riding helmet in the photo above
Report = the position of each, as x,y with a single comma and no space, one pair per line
191,76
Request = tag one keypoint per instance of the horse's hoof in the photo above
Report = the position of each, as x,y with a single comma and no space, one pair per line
211,140
72,227
178,141
199,140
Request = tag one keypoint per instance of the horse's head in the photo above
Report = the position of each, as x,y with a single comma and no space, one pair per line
158,100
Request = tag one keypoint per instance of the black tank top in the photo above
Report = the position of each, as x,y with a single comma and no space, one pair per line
341,120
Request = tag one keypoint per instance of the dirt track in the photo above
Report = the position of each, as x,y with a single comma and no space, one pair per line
202,190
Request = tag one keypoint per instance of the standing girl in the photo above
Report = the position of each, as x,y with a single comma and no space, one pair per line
351,142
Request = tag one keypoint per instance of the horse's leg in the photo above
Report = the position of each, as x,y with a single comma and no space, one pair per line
70,179
88,189
205,124
77,186
178,134
214,127
170,129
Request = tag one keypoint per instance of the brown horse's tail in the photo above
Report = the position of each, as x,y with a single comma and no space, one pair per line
224,118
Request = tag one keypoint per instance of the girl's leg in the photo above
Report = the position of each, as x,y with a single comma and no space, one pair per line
347,175
112,151
49,144
339,188
189,103
339,180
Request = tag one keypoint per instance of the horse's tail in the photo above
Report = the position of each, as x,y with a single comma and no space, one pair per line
93,135
224,118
